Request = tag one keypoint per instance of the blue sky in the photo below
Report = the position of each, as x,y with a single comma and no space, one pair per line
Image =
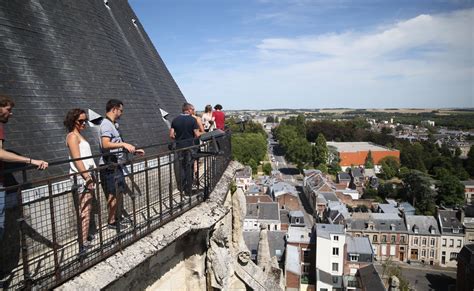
259,54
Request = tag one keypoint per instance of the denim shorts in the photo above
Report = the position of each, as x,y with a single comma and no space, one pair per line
112,180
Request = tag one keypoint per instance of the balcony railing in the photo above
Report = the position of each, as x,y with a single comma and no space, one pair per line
41,244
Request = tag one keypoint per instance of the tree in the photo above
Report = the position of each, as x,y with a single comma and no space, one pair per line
470,161
417,188
390,167
299,152
249,146
386,130
387,190
270,119
369,161
411,156
450,189
320,151
267,168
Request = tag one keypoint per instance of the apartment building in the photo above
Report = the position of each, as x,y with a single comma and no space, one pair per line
423,239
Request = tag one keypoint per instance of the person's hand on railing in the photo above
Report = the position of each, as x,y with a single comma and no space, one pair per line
41,165
130,148
140,152
90,184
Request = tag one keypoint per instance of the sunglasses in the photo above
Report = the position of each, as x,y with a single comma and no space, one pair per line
82,121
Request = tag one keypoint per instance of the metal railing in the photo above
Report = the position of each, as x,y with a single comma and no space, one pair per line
42,245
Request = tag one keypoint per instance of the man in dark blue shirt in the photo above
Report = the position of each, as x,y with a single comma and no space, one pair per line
184,129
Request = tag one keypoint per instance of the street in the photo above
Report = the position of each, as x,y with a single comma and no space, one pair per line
425,277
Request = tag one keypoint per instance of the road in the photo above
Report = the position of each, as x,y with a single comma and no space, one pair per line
290,174
426,277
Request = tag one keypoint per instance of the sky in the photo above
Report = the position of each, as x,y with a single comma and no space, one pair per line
264,54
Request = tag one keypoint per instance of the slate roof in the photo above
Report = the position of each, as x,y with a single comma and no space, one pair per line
469,183
323,276
292,263
276,242
407,208
424,224
388,208
359,245
280,188
325,230
329,196
284,216
370,278
381,221
263,210
344,176
296,213
467,255
298,234
449,222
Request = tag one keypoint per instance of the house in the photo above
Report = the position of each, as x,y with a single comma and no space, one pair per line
284,219
452,236
292,268
355,153
467,219
330,246
369,279
303,239
314,183
243,178
423,239
276,242
296,218
262,213
358,255
386,231
465,270
469,191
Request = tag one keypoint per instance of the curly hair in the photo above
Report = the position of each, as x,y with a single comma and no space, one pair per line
71,118
208,108
6,101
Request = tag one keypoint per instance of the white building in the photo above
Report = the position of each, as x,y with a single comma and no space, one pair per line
452,237
243,178
330,241
262,212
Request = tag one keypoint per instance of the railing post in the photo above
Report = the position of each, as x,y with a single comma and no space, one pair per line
132,196
28,284
160,195
77,203
147,193
57,271
170,190
99,214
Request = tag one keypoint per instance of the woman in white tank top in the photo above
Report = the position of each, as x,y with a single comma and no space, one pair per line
208,119
75,122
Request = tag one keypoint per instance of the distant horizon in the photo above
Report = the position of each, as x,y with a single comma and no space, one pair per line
355,108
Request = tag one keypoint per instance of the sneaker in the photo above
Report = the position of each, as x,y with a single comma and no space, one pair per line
125,219
116,226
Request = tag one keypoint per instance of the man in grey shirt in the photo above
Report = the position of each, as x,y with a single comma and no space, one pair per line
112,148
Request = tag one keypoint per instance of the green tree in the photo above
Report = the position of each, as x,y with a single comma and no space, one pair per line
369,161
270,119
411,156
249,146
390,167
267,168
320,151
470,161
387,190
386,130
417,188
299,152
450,189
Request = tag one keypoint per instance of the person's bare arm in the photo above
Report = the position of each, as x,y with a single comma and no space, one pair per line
7,156
197,132
107,144
73,145
172,133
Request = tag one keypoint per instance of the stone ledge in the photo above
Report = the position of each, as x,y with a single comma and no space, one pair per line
137,255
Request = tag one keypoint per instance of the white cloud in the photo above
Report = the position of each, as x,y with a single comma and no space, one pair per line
426,61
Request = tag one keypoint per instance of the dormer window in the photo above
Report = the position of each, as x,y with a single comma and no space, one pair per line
432,230
392,227
455,230
415,229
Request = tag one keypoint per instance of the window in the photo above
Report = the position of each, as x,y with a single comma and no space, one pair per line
444,242
384,238
432,242
354,258
383,249
334,279
451,242
415,241
353,271
453,256
335,267
305,255
306,269
459,243
402,239
432,254
424,241
374,239
336,238
423,253
392,239
392,250
335,251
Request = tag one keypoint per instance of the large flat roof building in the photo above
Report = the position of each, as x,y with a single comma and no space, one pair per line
355,153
